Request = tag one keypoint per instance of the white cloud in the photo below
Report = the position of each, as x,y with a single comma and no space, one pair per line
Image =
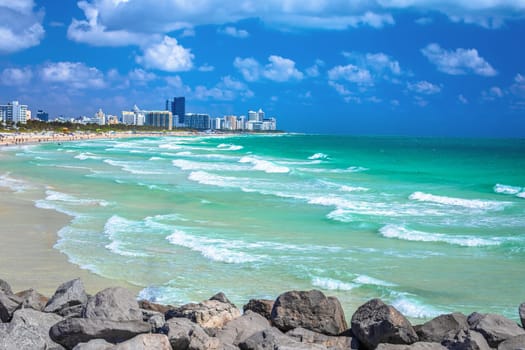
459,61
234,32
75,75
142,76
206,68
495,92
462,99
351,73
20,27
278,69
228,89
167,56
518,87
422,21
16,76
424,87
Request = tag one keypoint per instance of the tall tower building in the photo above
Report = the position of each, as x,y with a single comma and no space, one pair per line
178,108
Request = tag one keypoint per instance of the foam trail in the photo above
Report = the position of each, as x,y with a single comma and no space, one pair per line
264,165
364,279
87,155
189,165
466,203
229,147
411,307
506,189
318,156
14,184
332,284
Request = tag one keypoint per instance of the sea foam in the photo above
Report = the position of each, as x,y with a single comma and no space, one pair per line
264,165
15,185
466,203
506,189
229,147
318,156
332,284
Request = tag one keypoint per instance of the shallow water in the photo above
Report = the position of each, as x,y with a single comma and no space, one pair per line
429,225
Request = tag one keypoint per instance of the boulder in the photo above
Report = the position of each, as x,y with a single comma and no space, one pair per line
308,309
72,311
5,287
29,330
72,331
222,298
95,344
465,340
261,306
145,342
208,314
184,334
243,327
334,343
514,343
147,305
68,294
495,328
273,338
117,304
376,322
522,314
32,299
414,346
157,322
8,304
436,329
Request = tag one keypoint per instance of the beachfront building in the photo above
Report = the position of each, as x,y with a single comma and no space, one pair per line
159,119
134,117
42,116
178,109
13,112
100,116
197,121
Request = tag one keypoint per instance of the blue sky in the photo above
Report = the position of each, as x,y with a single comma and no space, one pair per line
393,67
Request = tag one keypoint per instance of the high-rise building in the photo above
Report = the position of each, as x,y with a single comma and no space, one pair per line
197,121
252,116
178,109
134,117
159,119
101,117
260,115
41,115
14,112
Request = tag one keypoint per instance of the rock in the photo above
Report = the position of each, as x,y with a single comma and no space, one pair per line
147,305
514,343
308,309
375,322
29,330
8,305
243,327
5,287
68,294
495,328
157,322
436,329
261,306
72,331
145,342
222,298
272,338
208,314
117,304
32,299
184,334
465,340
72,311
95,344
335,343
522,314
415,346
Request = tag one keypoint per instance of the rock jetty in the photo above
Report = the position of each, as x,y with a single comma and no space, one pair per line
114,319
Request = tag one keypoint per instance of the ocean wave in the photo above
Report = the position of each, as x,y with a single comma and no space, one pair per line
87,155
506,189
346,188
171,146
401,232
264,165
182,154
466,203
190,165
318,156
129,167
521,195
156,158
332,284
213,249
13,184
364,279
64,197
229,147
411,307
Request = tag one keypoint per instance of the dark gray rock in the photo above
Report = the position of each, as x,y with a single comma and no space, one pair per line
415,346
376,322
71,311
436,329
68,294
334,343
222,298
8,304
308,309
32,299
184,334
5,287
148,305
95,344
145,342
29,330
241,328
514,343
117,304
208,314
522,314
465,340
72,331
273,338
495,328
157,322
261,306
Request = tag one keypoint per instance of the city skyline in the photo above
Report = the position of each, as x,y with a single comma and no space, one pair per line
373,67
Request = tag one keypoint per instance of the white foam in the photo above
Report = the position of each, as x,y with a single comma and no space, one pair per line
191,165
401,232
15,185
64,197
156,158
264,165
229,147
182,154
87,155
346,188
332,284
213,249
466,203
129,167
170,146
413,308
318,156
506,189
521,195
364,279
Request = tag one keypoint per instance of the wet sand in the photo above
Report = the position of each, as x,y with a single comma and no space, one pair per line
27,257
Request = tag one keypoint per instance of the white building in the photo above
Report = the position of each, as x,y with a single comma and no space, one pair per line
101,117
135,117
13,112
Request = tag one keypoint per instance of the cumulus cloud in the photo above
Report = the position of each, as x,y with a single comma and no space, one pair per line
279,69
424,87
351,73
167,56
20,26
462,99
227,89
141,76
379,64
234,32
518,87
16,76
459,61
72,74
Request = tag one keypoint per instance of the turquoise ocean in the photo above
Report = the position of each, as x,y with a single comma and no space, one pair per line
431,225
